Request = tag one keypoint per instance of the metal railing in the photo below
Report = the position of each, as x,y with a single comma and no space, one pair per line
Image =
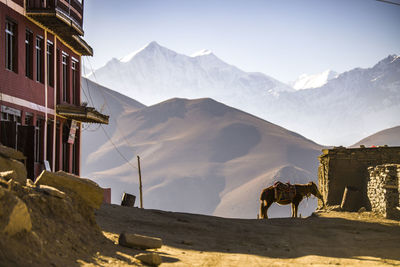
73,9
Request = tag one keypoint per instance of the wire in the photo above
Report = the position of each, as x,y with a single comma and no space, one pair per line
119,152
109,110
106,105
389,2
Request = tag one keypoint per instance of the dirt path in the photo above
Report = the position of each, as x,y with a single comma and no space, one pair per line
333,238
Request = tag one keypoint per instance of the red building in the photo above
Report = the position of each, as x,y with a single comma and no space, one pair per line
40,76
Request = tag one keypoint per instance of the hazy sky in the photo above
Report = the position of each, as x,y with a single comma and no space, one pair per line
281,38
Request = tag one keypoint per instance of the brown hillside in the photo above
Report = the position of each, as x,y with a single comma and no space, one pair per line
390,137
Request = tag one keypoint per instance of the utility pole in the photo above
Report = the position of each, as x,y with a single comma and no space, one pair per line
140,183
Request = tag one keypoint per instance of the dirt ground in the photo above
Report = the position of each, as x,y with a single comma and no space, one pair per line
65,235
327,238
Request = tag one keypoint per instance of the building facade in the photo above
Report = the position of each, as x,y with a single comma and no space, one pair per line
348,167
41,47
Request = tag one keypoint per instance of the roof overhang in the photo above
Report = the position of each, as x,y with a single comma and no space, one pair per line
64,27
81,114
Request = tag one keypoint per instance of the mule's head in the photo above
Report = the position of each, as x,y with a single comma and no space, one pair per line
314,190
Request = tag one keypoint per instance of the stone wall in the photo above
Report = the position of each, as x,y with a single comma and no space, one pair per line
383,190
342,167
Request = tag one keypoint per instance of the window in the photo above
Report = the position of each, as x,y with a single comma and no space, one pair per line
29,54
75,76
65,77
50,63
11,46
39,139
39,59
28,118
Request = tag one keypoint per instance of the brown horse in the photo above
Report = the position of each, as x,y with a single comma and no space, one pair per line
269,196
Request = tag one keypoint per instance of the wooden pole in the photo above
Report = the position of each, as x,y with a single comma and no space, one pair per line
140,183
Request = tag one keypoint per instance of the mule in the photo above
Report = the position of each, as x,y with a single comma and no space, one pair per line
274,194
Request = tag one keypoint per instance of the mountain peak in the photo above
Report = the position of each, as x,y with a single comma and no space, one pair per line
393,58
388,60
203,52
306,81
152,46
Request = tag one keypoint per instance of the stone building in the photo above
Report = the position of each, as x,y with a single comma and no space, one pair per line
342,168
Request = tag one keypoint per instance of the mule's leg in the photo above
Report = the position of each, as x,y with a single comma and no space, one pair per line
293,210
266,209
262,207
296,208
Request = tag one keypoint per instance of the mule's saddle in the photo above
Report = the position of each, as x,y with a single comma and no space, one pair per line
283,191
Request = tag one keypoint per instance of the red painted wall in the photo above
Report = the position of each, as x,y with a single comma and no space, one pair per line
17,85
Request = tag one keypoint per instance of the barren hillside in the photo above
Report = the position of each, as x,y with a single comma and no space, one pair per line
199,156
390,137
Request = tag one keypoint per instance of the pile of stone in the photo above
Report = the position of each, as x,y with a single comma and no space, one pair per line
46,218
383,190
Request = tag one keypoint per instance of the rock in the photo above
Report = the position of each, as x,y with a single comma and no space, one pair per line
90,192
51,191
149,258
8,175
14,214
11,153
18,168
139,241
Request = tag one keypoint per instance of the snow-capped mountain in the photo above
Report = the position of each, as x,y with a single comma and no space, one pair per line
306,81
155,73
345,109
348,108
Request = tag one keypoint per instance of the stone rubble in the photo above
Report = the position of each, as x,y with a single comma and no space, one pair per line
383,190
14,214
90,192
152,259
139,241
18,171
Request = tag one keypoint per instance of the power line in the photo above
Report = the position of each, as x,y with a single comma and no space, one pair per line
389,2
119,152
106,105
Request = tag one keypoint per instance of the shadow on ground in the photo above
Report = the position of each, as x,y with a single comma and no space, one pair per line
274,238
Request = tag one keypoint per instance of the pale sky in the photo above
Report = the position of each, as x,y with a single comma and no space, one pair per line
281,38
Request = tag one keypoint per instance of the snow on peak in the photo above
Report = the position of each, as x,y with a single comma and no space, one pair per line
203,52
394,58
150,46
306,81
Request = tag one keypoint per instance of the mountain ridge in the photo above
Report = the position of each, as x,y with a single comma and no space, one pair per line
340,112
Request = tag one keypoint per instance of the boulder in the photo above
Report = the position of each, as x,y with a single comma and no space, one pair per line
90,192
52,191
11,153
152,259
19,171
8,175
14,214
139,241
